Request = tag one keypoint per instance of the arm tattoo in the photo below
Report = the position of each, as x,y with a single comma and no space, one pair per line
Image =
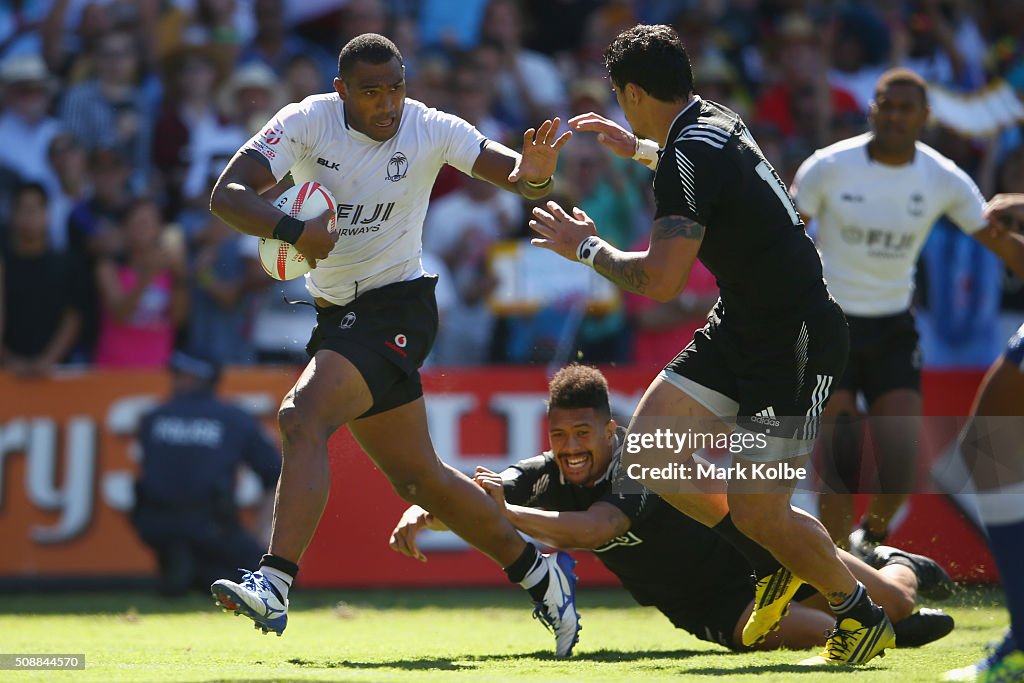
627,272
668,227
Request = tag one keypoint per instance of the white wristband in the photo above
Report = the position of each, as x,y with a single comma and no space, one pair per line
646,152
588,249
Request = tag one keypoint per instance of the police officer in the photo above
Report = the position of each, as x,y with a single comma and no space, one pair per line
191,448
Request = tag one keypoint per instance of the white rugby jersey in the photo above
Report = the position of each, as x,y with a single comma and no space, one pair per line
382,188
873,219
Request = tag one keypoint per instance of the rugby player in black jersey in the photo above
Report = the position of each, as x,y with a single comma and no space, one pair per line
665,559
774,342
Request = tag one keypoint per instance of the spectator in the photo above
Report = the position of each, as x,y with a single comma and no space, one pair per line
801,102
223,26
473,98
111,109
143,295
94,233
70,171
28,87
860,52
249,98
358,17
302,78
226,274
192,447
602,187
529,84
189,116
40,311
275,46
450,26
460,228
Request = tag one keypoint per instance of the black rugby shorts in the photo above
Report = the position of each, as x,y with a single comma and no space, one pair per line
884,355
774,378
386,333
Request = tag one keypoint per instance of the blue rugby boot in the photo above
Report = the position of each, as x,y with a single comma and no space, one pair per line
255,598
558,610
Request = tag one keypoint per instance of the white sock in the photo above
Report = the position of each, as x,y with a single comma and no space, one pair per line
538,572
281,581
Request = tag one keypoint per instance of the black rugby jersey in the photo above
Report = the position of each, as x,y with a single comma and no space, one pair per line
755,244
666,559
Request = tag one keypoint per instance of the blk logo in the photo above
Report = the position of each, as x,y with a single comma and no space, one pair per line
330,165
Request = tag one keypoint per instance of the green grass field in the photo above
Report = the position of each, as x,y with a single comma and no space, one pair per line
442,635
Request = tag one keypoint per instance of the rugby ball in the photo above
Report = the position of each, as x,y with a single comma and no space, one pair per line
280,260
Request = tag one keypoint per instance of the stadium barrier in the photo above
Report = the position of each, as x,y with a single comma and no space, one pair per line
68,458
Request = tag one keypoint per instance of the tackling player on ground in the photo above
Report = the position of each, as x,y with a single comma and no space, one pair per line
565,499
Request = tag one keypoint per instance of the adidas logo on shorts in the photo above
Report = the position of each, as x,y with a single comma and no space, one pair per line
766,417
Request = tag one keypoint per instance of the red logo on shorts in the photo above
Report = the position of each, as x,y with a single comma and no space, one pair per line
398,345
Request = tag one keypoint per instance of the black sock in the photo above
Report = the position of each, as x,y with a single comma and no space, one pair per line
280,564
760,560
530,572
857,605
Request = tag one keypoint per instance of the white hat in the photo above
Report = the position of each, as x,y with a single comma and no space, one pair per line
26,68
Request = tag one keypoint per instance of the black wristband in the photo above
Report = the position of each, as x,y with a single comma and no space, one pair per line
289,229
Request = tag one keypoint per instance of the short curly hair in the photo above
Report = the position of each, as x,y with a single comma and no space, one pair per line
902,76
653,57
579,386
371,48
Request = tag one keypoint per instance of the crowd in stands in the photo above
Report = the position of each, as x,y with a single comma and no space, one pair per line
118,115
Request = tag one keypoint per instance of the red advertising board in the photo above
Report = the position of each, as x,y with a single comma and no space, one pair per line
67,458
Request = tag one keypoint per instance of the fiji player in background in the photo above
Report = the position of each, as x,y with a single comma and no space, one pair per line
875,198
379,153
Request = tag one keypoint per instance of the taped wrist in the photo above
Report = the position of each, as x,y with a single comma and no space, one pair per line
588,249
646,152
289,229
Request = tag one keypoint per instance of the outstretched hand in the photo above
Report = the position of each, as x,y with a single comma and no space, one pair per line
403,538
1005,213
610,134
540,152
560,232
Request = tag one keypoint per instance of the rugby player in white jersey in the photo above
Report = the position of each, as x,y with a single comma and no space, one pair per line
379,153
875,198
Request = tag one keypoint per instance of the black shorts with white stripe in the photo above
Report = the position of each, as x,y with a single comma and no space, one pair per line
774,380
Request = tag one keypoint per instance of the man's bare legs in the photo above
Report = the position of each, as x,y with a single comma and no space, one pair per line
895,429
399,443
767,519
329,393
